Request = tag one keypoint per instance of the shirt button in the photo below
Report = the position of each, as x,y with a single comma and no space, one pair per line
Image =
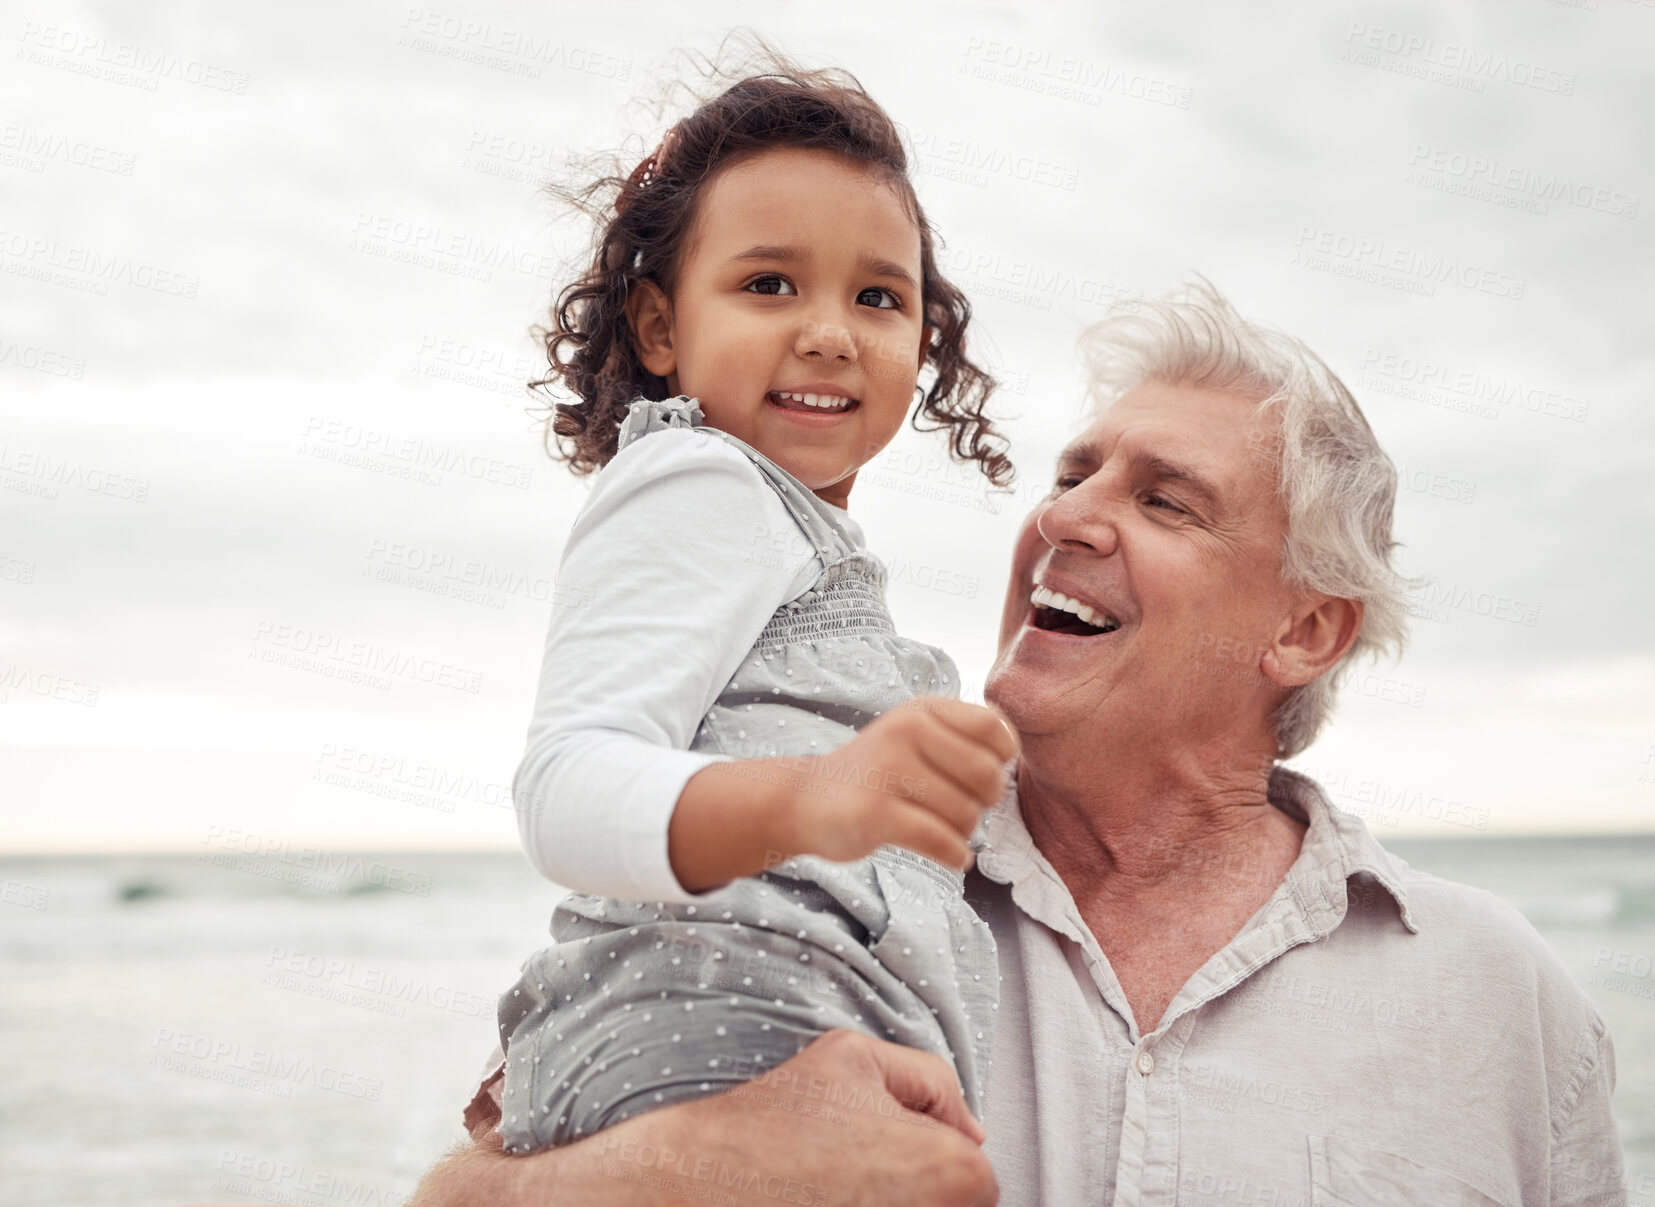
1146,1063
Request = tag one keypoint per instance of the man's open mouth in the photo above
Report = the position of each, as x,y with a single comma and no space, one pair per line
1057,613
815,404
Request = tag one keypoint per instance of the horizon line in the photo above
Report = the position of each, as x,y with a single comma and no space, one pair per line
49,851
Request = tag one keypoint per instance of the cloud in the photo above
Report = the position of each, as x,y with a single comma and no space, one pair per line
353,246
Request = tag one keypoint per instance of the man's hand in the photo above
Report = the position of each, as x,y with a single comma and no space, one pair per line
850,1122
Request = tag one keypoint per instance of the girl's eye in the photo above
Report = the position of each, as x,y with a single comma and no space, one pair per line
771,285
883,299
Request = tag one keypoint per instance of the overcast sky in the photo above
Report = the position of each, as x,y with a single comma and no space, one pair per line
268,278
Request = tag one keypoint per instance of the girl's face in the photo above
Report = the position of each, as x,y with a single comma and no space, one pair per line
798,285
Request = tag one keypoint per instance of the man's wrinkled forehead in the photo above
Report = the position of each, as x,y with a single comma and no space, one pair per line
1214,445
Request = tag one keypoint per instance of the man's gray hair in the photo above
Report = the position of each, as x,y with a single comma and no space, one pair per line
1338,485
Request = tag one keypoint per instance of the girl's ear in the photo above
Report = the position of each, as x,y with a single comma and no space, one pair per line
649,313
927,335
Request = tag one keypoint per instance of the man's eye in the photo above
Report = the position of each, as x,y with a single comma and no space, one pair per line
1066,481
883,299
1163,502
771,285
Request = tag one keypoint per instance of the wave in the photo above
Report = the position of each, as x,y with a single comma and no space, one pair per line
1634,905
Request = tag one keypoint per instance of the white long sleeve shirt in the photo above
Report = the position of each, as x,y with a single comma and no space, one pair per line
676,562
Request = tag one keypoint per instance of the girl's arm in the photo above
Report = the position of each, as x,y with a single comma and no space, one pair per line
677,561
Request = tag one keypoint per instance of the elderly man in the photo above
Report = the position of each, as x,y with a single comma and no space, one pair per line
1215,987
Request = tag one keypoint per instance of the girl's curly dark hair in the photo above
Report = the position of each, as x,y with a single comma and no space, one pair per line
644,218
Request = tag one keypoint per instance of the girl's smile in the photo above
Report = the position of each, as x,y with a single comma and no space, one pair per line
796,316
812,400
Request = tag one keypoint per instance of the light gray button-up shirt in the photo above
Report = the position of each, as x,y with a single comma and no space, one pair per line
1374,1035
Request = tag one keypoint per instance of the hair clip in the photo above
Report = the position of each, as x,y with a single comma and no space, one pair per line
648,171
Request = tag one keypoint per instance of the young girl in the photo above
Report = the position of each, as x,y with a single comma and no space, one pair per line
724,705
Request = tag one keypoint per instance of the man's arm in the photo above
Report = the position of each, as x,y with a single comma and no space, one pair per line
850,1122
1588,1167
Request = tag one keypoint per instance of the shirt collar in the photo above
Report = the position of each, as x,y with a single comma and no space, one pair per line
1337,846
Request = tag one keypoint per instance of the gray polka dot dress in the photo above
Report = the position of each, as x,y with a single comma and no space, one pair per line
639,1005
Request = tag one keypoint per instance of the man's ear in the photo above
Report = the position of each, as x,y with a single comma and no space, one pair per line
649,314
1312,640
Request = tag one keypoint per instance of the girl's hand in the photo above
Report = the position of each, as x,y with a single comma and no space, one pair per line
918,776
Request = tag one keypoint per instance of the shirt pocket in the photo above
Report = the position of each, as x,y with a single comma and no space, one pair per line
1346,1174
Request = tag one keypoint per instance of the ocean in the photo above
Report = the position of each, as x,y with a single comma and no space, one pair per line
302,1026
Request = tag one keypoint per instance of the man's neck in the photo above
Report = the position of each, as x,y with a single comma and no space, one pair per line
1166,861
1155,829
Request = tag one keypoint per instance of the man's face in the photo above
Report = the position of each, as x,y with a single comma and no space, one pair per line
1164,519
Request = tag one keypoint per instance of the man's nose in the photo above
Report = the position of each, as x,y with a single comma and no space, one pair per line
827,340
1078,520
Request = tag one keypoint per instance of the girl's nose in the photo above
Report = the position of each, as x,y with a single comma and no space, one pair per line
826,340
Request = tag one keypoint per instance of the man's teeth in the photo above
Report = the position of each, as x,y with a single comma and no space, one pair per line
827,402
1045,597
